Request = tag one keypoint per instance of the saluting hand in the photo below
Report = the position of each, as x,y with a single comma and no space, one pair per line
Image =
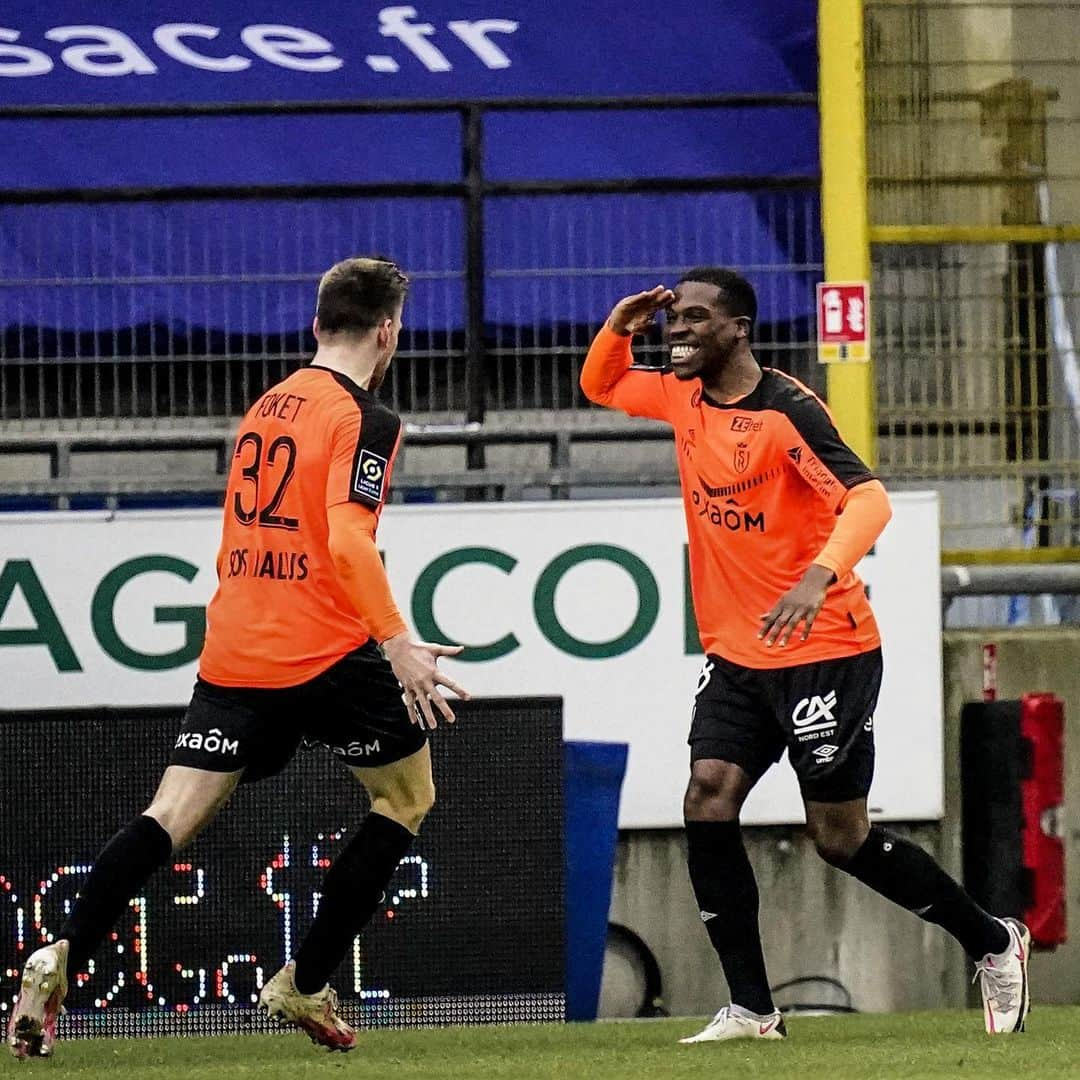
415,665
635,314
800,604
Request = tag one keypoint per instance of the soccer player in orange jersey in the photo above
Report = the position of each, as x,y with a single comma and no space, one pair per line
778,510
304,641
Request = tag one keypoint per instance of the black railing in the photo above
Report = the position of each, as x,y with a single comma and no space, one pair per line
473,189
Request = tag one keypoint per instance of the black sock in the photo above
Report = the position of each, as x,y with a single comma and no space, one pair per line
352,890
727,894
907,875
122,868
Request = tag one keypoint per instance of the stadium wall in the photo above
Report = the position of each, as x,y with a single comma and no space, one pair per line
816,921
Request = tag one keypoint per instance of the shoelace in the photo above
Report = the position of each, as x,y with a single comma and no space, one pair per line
720,1018
998,986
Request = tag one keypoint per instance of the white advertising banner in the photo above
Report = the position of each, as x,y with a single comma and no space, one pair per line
584,600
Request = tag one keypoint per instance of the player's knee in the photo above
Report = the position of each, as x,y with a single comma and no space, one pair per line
707,800
424,800
836,845
408,805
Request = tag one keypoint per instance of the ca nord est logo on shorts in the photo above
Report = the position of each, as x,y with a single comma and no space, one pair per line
814,716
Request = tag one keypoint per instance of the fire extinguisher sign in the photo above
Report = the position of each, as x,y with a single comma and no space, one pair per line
843,322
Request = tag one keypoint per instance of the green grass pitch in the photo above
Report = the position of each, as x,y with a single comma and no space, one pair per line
912,1046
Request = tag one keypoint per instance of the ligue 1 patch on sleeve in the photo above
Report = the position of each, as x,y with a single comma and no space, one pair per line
370,478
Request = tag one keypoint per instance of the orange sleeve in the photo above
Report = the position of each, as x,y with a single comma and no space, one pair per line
864,512
609,378
360,569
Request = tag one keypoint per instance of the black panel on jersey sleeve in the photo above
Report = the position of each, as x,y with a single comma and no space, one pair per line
812,422
380,431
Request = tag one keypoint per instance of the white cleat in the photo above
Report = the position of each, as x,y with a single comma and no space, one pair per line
317,1014
1003,981
735,1022
32,1028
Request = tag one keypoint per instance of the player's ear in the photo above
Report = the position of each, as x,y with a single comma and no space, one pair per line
742,326
315,327
383,333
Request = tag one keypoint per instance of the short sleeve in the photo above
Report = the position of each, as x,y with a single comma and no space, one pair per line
818,453
363,444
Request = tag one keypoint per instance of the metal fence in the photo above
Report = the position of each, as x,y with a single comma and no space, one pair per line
974,169
542,303
975,346
495,323
223,317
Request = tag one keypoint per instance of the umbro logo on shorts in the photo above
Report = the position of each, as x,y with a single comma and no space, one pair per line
825,753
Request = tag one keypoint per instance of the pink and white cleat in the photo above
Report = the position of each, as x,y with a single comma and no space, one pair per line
735,1022
32,1028
1003,981
314,1013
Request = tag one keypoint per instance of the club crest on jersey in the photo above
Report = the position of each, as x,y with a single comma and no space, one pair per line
742,457
370,475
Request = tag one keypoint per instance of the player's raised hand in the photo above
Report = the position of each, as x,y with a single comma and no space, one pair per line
799,604
635,314
415,666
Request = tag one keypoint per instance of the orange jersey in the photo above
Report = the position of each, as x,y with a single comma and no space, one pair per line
280,615
763,480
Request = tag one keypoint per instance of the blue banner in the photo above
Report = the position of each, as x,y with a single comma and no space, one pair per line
250,267
129,51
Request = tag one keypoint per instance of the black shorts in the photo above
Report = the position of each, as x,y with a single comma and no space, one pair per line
822,713
354,708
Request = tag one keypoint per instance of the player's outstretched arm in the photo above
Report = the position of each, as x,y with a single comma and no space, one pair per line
363,577
416,668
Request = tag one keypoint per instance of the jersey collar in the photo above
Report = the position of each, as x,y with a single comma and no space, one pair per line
749,401
350,384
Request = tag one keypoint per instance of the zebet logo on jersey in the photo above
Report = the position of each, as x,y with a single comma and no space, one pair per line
814,717
370,476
